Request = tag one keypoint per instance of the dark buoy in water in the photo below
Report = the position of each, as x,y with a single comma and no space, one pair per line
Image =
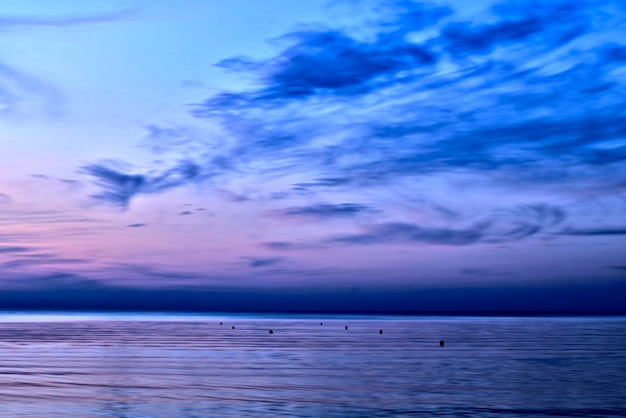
321,323
441,343
233,327
380,331
271,332
221,323
346,327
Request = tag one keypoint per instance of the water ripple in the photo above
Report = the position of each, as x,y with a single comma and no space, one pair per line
489,367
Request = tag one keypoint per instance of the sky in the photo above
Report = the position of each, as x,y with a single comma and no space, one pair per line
353,155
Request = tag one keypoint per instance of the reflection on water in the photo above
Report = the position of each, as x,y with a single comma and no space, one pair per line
190,366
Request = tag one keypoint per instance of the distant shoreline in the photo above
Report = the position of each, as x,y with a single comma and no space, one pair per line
308,314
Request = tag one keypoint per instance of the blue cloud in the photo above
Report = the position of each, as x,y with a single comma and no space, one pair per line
536,24
120,187
321,182
264,262
342,210
524,93
402,232
169,137
153,271
10,21
16,86
595,231
501,226
287,246
14,249
43,261
506,95
320,61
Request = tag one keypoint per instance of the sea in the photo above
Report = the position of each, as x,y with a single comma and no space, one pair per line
157,365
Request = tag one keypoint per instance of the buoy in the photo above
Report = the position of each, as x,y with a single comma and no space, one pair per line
271,332
441,343
233,327
380,331
321,323
221,323
346,327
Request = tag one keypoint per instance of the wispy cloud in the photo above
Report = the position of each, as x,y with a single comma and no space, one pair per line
139,225
20,90
11,250
500,226
595,231
521,96
26,215
11,21
321,182
169,137
461,95
400,232
43,261
320,211
256,262
286,245
120,187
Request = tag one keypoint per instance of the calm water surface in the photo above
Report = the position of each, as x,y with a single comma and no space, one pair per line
131,366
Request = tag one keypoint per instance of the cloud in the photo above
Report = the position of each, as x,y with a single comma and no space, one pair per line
120,187
5,198
342,210
11,21
25,215
162,138
15,249
401,232
501,226
321,182
546,24
20,91
595,231
264,262
43,261
319,61
70,184
326,60
24,258
323,60
136,225
286,245
154,275
427,95
474,271
517,96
